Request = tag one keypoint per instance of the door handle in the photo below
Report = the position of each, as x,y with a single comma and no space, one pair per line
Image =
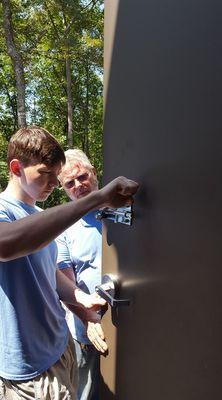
107,291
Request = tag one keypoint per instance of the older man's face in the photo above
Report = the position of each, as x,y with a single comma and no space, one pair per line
78,181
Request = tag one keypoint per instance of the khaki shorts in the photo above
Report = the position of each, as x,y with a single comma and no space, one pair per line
57,383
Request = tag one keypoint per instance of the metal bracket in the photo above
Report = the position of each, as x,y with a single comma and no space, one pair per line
123,215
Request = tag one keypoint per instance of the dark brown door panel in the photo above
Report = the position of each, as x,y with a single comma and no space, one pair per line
163,128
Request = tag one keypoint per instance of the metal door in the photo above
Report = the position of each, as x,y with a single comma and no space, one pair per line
163,128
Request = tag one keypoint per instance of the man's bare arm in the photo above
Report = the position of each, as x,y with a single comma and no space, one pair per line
90,318
69,293
27,235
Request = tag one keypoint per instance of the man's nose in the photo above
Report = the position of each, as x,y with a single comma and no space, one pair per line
77,183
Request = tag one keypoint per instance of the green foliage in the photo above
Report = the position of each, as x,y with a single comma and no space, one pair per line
46,33
3,175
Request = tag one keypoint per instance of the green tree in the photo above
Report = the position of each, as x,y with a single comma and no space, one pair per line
61,45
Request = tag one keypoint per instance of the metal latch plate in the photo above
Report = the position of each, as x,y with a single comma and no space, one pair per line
122,215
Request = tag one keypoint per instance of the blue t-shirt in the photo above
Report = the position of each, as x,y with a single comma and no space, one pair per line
33,329
80,247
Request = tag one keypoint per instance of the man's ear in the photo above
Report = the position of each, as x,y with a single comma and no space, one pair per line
15,167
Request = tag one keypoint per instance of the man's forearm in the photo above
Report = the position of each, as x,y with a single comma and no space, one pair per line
75,299
65,288
27,235
31,233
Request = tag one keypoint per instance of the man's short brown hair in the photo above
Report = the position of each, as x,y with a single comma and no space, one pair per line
33,145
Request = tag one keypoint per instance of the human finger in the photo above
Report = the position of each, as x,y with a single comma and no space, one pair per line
127,187
96,336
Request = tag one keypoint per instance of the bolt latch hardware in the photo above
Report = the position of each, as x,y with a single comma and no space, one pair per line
122,215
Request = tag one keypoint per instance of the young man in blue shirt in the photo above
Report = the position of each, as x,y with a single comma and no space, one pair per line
79,258
37,359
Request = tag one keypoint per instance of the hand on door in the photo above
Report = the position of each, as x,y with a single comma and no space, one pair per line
90,301
119,192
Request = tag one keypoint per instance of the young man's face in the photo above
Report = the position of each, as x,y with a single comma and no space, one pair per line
78,181
38,181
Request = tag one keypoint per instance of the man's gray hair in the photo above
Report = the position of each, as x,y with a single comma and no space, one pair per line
77,156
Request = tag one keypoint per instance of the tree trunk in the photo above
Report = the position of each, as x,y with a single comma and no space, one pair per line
70,139
16,61
69,101
86,113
